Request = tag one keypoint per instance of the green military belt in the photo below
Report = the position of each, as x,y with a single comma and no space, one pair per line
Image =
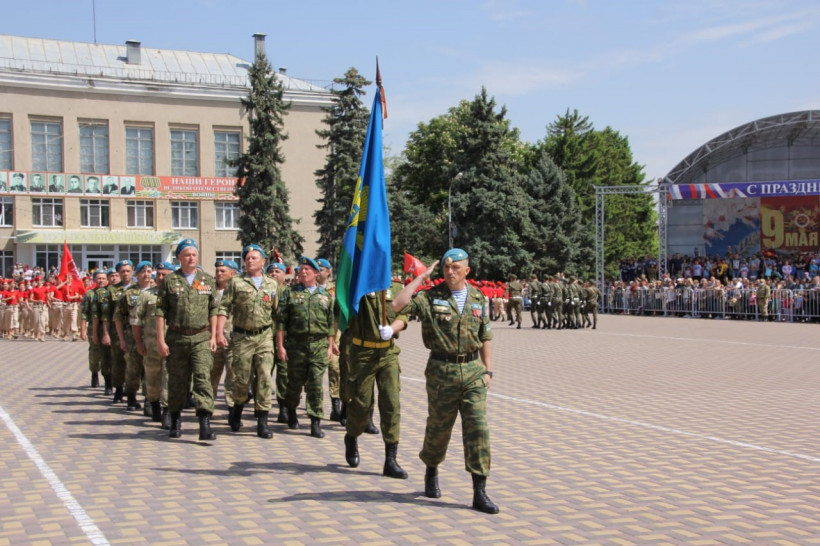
187,331
251,332
372,344
307,338
459,359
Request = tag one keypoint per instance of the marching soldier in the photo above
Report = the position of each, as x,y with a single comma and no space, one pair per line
373,357
224,270
186,302
110,337
102,298
87,328
251,300
591,298
333,375
459,371
514,292
305,339
279,375
134,369
536,297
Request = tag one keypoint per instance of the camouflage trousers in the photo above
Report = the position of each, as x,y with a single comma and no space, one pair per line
307,363
118,363
133,370
333,374
94,353
222,363
279,375
190,358
156,377
516,306
366,367
252,359
453,389
763,305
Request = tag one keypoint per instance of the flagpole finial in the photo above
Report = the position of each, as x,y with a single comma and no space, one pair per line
378,73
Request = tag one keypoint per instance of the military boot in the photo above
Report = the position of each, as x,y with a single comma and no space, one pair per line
95,380
133,405
156,412
336,408
343,415
351,451
262,429
205,432
117,395
481,501
283,412
431,488
107,385
235,417
371,428
146,409
316,428
166,419
391,466
293,419
176,427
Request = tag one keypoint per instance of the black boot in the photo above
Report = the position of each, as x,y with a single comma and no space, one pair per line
371,428
351,451
156,412
518,327
166,419
391,467
107,385
293,420
117,395
235,417
176,427
343,415
431,489
481,501
95,380
133,405
316,428
283,412
146,409
336,408
262,429
205,432
190,402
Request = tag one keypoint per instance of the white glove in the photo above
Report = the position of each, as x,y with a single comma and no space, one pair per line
386,332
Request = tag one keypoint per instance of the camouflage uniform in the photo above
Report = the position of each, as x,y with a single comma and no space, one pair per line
575,303
252,310
591,297
187,310
222,360
307,320
143,314
454,374
133,360
94,349
101,296
118,364
333,374
371,359
536,297
516,301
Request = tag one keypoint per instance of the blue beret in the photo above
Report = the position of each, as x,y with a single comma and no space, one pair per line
255,247
177,267
453,255
164,266
142,265
109,271
277,265
304,260
227,263
124,262
185,243
323,263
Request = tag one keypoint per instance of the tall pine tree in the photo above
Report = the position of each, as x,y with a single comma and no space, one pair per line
344,137
263,196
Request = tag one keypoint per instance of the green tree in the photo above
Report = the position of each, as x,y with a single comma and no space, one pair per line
344,137
556,237
263,196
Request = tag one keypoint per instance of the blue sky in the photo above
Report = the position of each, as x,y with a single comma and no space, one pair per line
669,75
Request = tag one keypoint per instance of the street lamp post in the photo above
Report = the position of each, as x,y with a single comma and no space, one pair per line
450,210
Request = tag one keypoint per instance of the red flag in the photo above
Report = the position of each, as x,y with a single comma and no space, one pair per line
67,265
413,265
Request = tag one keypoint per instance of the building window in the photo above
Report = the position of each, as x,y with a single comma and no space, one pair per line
94,148
6,211
185,215
229,255
6,264
184,153
48,256
140,214
139,253
139,150
46,146
47,212
227,215
94,213
5,144
226,148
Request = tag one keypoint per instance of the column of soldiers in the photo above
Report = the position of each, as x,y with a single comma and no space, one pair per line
561,302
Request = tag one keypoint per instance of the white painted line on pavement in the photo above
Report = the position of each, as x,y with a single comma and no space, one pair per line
646,425
94,534
706,340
